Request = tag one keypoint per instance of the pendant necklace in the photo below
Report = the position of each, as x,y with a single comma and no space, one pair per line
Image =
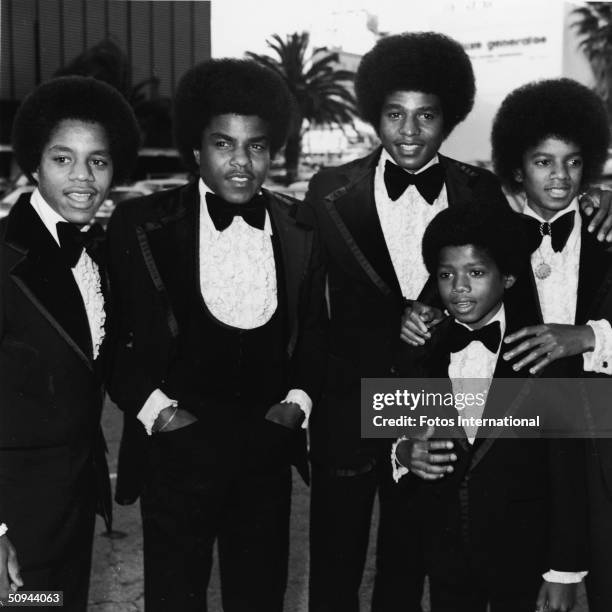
543,269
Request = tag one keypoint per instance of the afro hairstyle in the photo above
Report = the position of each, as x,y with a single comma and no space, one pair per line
498,232
422,61
559,108
84,99
222,86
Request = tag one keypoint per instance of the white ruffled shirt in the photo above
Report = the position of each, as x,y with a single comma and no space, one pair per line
238,285
403,224
86,273
558,293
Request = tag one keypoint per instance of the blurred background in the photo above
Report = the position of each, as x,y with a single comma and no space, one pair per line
143,48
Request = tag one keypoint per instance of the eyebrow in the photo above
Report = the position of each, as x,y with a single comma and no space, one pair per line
62,148
545,154
231,138
429,107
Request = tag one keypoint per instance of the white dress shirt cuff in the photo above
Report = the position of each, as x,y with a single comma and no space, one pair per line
600,358
3,529
156,402
564,577
399,470
301,398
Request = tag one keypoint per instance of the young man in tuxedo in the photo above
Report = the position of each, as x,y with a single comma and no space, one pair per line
550,138
371,213
73,136
502,521
221,330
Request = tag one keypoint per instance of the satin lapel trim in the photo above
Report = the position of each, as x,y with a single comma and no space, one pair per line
594,275
41,268
357,182
457,183
296,245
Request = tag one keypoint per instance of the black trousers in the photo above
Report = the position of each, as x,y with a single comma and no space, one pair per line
190,500
340,518
51,518
469,596
599,578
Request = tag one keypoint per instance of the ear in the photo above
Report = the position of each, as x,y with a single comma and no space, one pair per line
196,155
509,280
518,175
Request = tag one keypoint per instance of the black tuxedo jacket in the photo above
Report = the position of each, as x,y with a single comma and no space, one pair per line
594,302
513,507
150,241
363,293
50,388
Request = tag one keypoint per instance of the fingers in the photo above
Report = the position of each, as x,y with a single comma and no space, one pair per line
14,571
428,433
414,331
530,330
431,465
542,600
588,205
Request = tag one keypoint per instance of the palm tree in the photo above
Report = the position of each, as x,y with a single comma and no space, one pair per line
321,89
595,27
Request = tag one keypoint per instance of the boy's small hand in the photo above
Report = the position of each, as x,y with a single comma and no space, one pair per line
419,456
417,320
598,201
547,343
556,597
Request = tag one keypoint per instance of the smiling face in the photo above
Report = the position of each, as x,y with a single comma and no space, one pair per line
470,284
551,176
235,156
75,170
411,127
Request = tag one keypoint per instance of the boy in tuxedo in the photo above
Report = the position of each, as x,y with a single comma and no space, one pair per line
221,321
73,136
550,138
496,515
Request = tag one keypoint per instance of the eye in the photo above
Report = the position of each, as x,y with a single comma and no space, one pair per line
99,163
222,144
394,115
575,162
444,275
61,159
259,146
542,163
428,116
477,272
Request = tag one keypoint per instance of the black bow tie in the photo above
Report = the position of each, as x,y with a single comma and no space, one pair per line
559,231
72,241
460,336
222,212
428,183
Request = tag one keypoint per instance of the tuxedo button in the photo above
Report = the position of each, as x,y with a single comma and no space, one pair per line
393,371
605,364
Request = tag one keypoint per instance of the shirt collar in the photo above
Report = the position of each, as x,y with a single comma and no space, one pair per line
385,157
529,212
205,216
500,316
48,215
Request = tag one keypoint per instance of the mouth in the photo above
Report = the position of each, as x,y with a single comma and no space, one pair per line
558,192
463,306
239,179
81,196
409,148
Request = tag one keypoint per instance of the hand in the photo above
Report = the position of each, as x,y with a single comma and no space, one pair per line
556,597
287,414
595,199
181,419
547,343
10,579
416,454
417,320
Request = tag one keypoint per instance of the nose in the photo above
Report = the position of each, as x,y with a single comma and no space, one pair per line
410,125
560,170
240,157
81,171
461,283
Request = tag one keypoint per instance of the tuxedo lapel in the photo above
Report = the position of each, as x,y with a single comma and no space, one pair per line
594,275
45,279
352,209
295,245
458,183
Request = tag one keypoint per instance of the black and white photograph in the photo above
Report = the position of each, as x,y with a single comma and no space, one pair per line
242,244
